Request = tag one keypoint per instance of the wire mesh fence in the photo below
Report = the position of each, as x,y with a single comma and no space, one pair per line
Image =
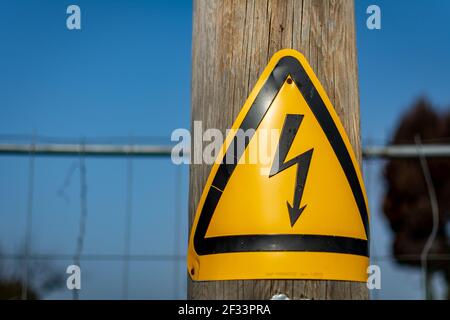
124,222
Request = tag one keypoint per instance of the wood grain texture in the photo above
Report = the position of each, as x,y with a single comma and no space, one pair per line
232,43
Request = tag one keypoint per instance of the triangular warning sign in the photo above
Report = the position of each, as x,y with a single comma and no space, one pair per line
299,211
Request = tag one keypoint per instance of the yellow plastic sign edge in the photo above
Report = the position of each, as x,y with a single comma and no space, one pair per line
283,265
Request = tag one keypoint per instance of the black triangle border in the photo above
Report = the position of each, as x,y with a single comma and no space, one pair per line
286,66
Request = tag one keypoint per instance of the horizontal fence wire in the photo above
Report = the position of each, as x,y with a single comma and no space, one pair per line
95,257
180,257
165,150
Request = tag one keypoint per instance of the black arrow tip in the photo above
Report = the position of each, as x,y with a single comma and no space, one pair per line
294,213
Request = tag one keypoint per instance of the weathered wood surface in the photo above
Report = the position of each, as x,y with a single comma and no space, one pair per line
232,43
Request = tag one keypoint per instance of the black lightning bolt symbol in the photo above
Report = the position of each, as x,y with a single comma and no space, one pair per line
290,127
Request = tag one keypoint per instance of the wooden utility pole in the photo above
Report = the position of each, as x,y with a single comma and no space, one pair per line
232,43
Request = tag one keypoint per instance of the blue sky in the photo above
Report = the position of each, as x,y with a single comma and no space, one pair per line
406,59
127,72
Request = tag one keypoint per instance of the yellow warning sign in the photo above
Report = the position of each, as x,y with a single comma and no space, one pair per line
302,214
